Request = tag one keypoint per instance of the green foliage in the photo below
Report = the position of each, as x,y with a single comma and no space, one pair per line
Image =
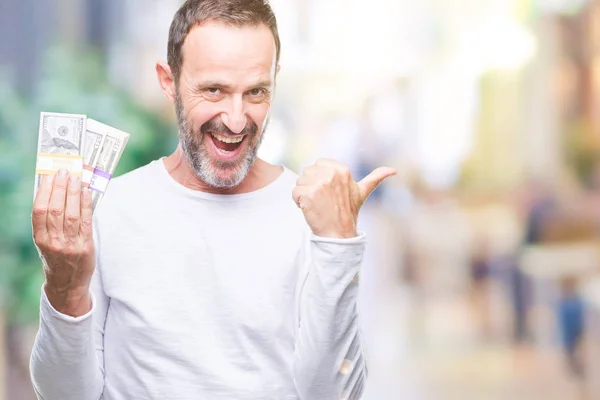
73,82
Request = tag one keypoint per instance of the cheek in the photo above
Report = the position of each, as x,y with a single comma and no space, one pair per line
200,113
259,113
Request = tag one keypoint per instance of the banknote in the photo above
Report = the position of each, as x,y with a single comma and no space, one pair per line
112,150
80,145
94,139
60,144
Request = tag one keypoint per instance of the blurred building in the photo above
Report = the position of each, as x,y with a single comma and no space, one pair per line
34,26
332,61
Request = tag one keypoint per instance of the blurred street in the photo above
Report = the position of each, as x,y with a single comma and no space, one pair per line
454,344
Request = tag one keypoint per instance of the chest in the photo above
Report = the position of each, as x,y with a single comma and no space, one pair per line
191,269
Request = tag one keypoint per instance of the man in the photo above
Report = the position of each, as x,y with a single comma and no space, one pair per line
200,278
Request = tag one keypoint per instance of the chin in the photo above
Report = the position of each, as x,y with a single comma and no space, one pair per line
223,177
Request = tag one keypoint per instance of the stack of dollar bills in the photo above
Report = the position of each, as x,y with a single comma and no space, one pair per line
80,145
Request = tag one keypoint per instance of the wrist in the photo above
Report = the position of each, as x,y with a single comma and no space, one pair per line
74,302
342,231
349,234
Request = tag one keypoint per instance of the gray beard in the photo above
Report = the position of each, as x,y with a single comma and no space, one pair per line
199,160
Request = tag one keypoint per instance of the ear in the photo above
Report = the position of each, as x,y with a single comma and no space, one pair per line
165,80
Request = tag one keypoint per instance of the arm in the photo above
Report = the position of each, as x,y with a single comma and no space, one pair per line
73,308
67,360
329,361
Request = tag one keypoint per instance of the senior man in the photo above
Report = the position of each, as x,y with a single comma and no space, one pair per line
210,273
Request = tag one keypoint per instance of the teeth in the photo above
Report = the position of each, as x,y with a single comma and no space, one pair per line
226,139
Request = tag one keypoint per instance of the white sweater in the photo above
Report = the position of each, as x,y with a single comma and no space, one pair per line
201,296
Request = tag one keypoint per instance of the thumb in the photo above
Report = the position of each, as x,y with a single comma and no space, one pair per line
370,182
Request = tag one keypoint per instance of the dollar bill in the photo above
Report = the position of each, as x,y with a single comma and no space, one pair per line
80,145
94,139
60,144
112,150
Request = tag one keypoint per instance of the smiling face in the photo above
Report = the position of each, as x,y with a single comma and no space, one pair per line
223,98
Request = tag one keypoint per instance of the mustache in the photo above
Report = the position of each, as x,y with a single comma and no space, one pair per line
216,125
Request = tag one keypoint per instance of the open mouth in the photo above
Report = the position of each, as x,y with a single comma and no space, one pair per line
226,147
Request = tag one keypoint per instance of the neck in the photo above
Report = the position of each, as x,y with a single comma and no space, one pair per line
260,175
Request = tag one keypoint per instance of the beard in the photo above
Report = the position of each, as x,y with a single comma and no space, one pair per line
215,172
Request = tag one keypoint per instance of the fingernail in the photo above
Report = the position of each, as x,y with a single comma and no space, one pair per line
62,172
87,193
49,179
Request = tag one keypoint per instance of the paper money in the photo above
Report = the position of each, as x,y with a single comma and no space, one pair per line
94,139
109,157
60,143
80,145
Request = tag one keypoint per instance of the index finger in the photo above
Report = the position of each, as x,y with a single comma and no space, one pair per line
40,204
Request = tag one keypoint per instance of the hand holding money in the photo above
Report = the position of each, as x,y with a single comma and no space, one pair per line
62,232
76,158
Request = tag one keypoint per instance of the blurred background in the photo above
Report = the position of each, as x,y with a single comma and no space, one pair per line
482,278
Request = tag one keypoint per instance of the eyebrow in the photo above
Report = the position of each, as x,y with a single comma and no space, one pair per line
220,85
262,84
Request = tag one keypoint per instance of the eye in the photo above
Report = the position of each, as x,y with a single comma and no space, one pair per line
213,93
213,90
257,92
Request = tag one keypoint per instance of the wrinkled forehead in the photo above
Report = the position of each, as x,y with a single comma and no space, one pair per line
217,51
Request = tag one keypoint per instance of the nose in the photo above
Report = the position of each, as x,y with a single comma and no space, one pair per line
235,116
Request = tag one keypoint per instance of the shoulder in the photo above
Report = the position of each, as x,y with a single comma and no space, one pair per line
282,196
289,177
284,185
132,181
127,190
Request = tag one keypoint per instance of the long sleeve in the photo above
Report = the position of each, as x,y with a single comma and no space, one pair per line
329,361
67,359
